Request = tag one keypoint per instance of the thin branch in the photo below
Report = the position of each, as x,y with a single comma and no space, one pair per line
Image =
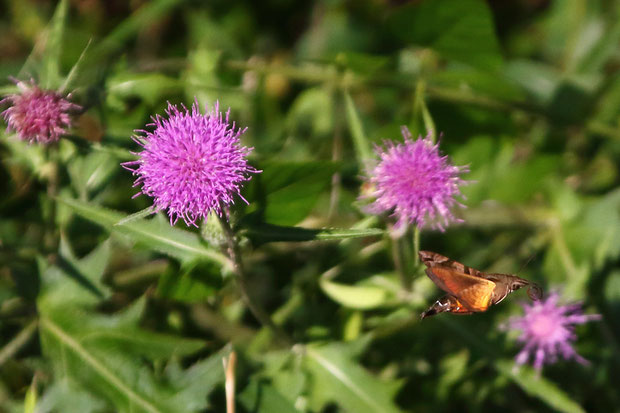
229,371
261,315
19,341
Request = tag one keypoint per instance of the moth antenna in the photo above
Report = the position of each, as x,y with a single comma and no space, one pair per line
529,259
533,290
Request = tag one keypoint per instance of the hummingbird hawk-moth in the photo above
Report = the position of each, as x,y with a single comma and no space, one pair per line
469,290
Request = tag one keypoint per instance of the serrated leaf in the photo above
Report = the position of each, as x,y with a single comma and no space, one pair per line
195,383
106,353
80,278
261,397
356,129
340,380
50,75
102,371
65,396
153,234
89,172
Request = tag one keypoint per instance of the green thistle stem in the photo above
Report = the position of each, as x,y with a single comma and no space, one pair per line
51,175
232,250
416,247
400,256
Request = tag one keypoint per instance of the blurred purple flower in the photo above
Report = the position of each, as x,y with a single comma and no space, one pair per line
415,183
192,163
547,330
38,115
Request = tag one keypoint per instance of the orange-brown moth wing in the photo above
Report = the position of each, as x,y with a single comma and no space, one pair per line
459,308
447,303
433,259
473,292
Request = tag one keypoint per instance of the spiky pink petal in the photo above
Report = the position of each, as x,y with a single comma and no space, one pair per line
191,164
38,115
548,331
415,183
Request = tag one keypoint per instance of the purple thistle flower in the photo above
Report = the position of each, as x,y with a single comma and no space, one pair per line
38,115
192,163
548,330
415,183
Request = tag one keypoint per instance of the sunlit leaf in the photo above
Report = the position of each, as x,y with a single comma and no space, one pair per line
274,233
356,129
359,297
153,234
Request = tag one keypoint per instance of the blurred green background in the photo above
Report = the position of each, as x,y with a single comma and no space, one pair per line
97,317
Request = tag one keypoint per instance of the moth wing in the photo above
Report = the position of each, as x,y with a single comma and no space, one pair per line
434,260
447,303
472,291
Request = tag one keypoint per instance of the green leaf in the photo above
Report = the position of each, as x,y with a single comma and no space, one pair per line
454,369
90,172
90,66
149,12
341,380
597,46
85,286
151,87
287,191
261,397
106,354
67,397
76,70
261,233
356,129
358,297
539,387
136,216
478,81
30,401
312,110
50,73
191,286
78,352
461,30
194,384
154,234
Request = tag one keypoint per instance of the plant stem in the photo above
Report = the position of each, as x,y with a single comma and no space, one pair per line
329,74
20,340
229,371
399,246
336,157
232,249
51,232
416,247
